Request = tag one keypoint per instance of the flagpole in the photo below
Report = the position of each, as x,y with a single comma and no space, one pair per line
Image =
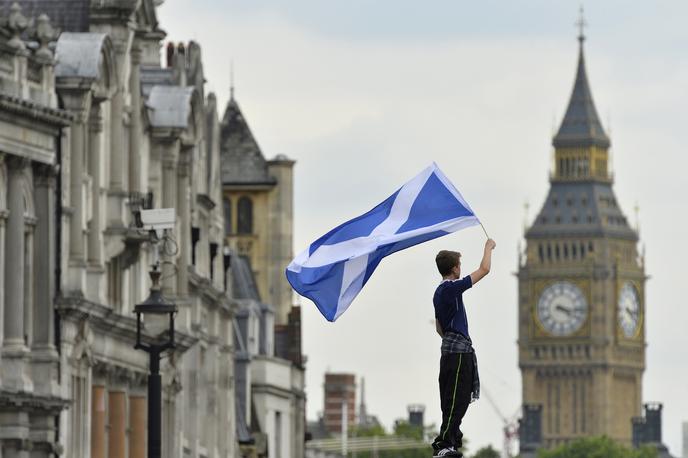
481,225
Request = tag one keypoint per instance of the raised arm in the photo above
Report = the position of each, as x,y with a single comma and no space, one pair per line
485,264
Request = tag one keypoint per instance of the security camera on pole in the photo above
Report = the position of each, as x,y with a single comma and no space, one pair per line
159,223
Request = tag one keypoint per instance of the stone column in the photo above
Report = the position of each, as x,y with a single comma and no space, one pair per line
135,119
95,285
45,358
117,434
117,192
117,153
76,186
3,260
29,226
184,215
95,256
169,200
14,350
138,425
98,425
77,255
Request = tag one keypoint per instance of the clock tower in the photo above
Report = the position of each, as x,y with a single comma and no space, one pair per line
581,286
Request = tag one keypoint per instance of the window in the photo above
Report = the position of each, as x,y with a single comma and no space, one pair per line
227,205
245,216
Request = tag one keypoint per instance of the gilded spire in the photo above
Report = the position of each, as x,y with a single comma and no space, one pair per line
581,126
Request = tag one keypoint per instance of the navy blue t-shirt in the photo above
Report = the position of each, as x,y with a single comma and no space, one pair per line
449,309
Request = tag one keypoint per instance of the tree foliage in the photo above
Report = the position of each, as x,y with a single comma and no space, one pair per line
596,447
486,452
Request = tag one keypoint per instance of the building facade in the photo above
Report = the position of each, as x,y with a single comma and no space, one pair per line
258,216
340,394
93,129
581,285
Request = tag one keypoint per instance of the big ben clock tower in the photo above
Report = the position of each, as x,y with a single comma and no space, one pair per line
582,290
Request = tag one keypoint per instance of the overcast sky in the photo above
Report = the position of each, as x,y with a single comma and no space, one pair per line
365,94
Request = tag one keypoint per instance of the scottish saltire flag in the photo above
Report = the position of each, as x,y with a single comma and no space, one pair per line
334,268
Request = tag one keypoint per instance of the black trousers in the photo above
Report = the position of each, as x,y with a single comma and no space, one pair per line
456,384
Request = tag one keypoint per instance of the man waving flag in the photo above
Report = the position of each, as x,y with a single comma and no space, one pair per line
334,268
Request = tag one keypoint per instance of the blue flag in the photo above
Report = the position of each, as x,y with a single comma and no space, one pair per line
334,268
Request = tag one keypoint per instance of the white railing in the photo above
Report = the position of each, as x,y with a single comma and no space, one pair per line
366,444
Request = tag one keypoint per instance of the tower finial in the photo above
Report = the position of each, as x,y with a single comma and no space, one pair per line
231,80
581,24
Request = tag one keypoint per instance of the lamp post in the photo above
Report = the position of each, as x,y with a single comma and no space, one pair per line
155,306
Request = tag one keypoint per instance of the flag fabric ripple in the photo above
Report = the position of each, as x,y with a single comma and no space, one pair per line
334,268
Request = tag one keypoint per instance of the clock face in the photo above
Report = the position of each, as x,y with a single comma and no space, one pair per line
562,308
629,310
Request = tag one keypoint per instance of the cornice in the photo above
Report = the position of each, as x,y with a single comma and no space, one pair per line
36,112
109,322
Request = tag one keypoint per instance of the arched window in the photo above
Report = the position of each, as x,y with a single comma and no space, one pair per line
245,216
227,206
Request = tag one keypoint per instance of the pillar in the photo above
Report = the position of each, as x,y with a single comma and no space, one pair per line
117,153
98,425
3,260
135,119
29,225
137,426
77,255
95,256
14,350
117,192
117,432
170,157
184,215
76,186
95,286
44,358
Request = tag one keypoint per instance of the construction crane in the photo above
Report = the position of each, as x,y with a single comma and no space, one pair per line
509,427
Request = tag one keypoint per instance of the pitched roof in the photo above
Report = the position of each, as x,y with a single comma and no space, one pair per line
66,15
581,125
581,209
241,158
243,281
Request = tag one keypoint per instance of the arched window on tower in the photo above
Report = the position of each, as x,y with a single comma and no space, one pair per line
245,216
227,206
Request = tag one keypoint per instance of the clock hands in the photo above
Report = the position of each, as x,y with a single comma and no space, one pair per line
561,308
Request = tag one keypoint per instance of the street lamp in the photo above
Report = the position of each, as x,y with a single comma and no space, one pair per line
155,307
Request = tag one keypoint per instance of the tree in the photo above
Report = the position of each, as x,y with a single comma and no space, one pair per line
596,447
403,428
486,452
368,431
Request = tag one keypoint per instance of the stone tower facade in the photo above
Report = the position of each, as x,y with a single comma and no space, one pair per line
581,288
258,206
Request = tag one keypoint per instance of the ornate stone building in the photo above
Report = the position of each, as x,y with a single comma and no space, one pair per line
92,129
582,291
31,399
